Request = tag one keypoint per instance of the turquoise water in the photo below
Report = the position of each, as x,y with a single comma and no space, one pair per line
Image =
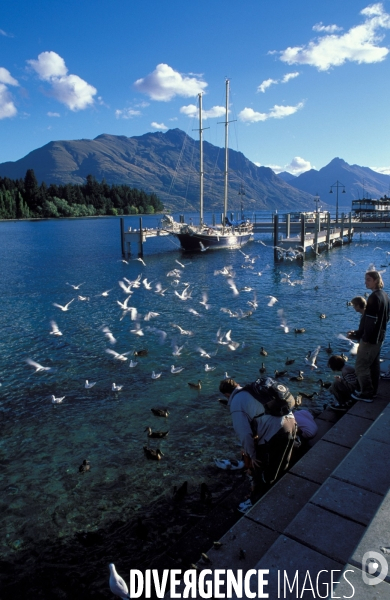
42,445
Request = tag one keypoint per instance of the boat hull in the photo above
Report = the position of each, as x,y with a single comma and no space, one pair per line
198,242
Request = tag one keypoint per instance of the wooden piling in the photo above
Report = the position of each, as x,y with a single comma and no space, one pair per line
328,230
303,230
276,235
316,230
288,225
141,243
122,227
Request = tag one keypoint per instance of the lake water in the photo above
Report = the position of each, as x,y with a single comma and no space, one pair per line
42,445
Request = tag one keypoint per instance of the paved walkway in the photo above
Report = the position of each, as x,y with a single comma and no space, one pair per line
331,508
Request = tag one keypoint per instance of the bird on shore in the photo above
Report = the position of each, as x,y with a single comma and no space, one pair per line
160,412
88,385
85,466
196,386
118,585
156,434
37,366
152,454
63,308
54,329
57,400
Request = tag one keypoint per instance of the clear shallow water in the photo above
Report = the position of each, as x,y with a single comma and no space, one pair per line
42,445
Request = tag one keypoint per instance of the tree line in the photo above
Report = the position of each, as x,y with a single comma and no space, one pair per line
25,198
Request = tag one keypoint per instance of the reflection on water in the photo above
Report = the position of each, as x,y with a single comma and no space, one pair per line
42,445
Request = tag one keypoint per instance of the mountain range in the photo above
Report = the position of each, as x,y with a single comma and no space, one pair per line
164,163
168,165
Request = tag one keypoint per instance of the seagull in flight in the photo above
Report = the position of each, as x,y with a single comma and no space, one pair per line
194,312
116,388
177,350
204,301
105,294
57,400
88,385
233,287
109,335
176,369
203,353
75,287
182,331
203,248
37,366
117,585
151,315
63,308
126,288
133,364
147,285
54,329
311,358
82,298
354,345
116,355
272,301
179,263
141,260
159,289
184,295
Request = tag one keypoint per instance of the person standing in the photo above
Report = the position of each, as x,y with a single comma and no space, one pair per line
372,335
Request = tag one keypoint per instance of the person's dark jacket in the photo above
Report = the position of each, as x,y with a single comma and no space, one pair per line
376,317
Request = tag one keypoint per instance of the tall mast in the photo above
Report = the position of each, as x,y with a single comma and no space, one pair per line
200,161
226,182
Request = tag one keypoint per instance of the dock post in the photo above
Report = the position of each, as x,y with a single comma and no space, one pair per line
141,244
288,227
350,228
122,226
328,230
342,228
276,234
303,231
317,227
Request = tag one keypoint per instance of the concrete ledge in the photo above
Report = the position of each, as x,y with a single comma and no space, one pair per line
360,591
348,431
380,430
326,532
347,500
320,461
283,502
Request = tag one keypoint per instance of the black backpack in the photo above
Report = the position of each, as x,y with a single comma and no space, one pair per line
275,397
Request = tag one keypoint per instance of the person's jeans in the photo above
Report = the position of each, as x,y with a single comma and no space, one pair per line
367,368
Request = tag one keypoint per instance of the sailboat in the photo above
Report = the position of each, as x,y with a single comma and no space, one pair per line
230,234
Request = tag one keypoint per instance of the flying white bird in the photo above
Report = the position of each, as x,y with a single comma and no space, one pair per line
204,301
88,385
140,260
272,301
203,248
109,335
179,263
137,330
126,288
176,369
182,331
63,308
105,294
37,366
151,315
283,322
159,289
57,400
177,350
184,295
203,353
311,358
116,388
207,368
116,355
117,584
233,287
82,298
156,375
54,329
194,312
123,305
354,345
133,364
159,332
75,287
147,285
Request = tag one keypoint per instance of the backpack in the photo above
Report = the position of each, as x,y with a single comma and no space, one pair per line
275,397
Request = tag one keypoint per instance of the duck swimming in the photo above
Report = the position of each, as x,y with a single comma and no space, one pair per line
301,330
280,374
262,368
263,352
328,349
324,384
153,454
322,316
196,386
85,466
299,377
160,412
289,361
142,352
156,434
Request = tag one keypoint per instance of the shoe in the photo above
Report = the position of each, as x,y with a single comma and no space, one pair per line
338,407
358,396
245,506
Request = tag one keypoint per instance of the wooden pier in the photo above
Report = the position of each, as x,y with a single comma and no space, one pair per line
136,237
312,238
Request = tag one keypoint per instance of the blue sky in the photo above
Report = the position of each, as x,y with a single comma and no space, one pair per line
309,80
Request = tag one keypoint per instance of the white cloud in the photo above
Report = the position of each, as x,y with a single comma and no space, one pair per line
360,44
383,170
53,114
70,90
127,113
159,126
297,166
192,111
165,83
7,107
6,77
2,32
327,28
268,82
248,115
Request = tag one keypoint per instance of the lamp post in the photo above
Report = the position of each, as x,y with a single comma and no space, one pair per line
337,185
316,200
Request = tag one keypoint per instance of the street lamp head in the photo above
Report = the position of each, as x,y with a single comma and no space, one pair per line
343,192
331,191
